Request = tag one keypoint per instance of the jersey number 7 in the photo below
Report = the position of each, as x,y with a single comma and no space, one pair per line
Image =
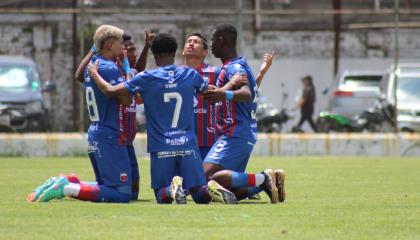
167,98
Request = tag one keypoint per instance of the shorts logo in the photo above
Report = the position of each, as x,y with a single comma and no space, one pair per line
123,177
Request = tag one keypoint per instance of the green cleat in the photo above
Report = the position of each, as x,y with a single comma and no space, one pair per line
36,193
55,191
221,194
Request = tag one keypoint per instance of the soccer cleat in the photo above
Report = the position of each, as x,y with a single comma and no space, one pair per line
34,195
255,197
177,193
280,178
55,191
269,185
220,194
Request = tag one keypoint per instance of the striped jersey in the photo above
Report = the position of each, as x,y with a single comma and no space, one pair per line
237,119
204,111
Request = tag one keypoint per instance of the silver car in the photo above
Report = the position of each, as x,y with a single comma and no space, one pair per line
356,92
407,79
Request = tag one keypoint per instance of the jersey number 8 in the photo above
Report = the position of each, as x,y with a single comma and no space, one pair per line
91,105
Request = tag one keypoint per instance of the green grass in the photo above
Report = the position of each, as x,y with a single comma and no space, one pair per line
328,198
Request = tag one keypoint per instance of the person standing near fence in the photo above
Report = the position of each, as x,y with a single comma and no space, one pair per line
306,104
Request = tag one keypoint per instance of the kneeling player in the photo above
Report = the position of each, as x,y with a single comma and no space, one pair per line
107,135
168,96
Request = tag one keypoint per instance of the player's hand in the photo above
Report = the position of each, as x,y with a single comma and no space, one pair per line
215,95
268,60
148,38
93,67
124,52
238,80
211,87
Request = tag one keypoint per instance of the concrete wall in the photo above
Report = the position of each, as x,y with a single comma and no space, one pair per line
47,39
74,144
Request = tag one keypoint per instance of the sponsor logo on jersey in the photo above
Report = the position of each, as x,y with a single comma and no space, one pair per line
177,141
200,111
182,153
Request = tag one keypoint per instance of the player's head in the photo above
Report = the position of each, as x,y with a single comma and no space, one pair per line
108,39
164,47
195,46
131,49
223,39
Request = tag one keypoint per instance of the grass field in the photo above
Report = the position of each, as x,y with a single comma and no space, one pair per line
328,198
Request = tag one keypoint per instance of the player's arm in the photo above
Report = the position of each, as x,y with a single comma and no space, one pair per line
236,82
80,69
106,88
142,60
268,59
243,94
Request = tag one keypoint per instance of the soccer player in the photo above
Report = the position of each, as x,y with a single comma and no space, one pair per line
236,126
195,50
107,135
126,61
168,96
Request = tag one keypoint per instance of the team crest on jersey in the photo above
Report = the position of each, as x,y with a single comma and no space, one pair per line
123,176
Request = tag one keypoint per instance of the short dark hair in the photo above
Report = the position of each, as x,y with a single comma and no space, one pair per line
164,43
126,37
203,39
228,32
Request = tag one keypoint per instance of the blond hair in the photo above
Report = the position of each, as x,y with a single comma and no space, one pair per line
104,32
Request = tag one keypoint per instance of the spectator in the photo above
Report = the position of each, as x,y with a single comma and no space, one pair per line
306,104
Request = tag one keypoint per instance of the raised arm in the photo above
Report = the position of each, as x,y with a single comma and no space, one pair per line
106,88
268,59
142,60
80,69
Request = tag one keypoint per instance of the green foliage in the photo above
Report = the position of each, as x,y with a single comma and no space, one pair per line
328,198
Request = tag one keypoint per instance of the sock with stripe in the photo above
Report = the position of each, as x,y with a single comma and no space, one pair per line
163,195
247,179
201,196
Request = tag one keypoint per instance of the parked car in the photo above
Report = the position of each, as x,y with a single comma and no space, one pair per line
406,82
355,92
21,96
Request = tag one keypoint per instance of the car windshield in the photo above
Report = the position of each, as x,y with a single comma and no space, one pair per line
363,80
16,77
408,89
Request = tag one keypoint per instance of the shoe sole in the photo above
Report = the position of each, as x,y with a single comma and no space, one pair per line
176,186
280,179
274,192
221,194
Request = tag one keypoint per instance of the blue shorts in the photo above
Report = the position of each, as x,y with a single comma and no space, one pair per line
113,164
166,165
204,150
230,153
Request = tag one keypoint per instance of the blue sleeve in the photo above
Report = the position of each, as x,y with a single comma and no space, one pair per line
237,69
199,83
136,84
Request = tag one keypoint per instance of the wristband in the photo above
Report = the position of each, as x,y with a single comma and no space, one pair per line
229,95
126,66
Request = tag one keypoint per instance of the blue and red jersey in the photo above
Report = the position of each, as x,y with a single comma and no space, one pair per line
109,121
237,119
168,94
204,111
